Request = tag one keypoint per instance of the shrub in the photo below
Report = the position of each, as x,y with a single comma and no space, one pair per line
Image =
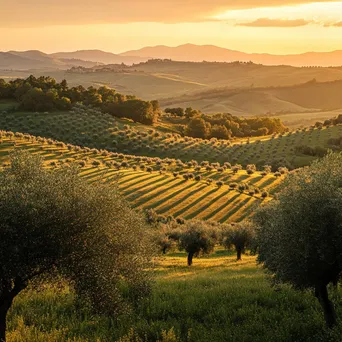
186,176
233,185
236,168
219,184
96,163
264,194
242,187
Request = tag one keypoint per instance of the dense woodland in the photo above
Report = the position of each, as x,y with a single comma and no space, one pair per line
45,94
225,125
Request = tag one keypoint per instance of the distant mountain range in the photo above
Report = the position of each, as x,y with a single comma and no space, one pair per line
100,56
33,59
211,53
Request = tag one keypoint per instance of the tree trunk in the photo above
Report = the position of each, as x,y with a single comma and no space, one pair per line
321,292
190,256
6,300
238,253
335,282
3,315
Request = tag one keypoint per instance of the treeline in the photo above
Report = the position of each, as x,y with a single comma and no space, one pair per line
45,94
316,151
224,125
330,122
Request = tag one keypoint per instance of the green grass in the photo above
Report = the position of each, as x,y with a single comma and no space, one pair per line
105,132
168,195
215,300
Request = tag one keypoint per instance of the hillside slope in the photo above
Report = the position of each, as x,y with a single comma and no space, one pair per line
95,130
319,96
150,183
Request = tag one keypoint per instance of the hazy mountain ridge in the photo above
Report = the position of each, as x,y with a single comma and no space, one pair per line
211,53
34,59
99,56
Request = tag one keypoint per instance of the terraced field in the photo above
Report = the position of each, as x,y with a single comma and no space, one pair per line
96,130
219,194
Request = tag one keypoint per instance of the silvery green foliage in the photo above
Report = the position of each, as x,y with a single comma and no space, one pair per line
238,235
197,238
300,235
55,221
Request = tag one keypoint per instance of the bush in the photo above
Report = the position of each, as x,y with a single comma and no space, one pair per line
264,194
219,184
233,185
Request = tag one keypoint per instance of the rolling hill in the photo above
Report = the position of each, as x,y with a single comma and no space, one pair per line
99,56
92,129
303,95
10,60
34,59
150,182
211,53
309,97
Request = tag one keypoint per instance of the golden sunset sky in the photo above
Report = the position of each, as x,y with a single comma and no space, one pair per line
273,26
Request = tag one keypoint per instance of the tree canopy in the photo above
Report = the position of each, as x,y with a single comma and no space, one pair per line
225,125
53,221
240,235
300,234
197,238
45,94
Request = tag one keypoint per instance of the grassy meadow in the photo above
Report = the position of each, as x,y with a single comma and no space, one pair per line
217,299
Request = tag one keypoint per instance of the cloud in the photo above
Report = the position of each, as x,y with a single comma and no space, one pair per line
339,24
266,22
38,13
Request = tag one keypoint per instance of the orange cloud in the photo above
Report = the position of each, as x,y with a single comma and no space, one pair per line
266,22
37,13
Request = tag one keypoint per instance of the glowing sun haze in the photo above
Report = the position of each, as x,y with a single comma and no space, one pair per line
274,26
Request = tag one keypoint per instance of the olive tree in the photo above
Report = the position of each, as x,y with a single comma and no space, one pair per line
197,238
166,236
54,222
300,233
238,235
